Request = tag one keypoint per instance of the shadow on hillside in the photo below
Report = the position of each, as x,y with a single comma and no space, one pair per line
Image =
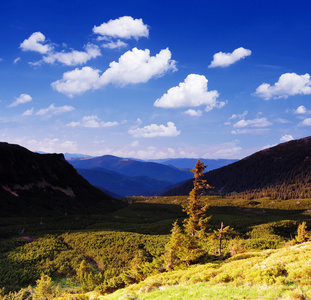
146,218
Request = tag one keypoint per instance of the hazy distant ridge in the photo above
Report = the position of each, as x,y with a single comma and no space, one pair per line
128,177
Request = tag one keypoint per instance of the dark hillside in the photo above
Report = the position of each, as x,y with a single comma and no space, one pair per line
280,172
35,184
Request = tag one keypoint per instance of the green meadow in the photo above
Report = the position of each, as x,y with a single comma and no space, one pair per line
121,254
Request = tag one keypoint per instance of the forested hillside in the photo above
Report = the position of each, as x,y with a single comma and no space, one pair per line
280,172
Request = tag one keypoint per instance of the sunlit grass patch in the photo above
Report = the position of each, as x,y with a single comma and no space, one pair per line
216,292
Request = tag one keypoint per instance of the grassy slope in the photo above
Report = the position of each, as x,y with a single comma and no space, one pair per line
147,221
267,274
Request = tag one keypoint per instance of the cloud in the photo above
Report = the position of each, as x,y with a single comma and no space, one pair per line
227,152
239,116
23,98
281,121
92,122
74,57
52,109
289,84
114,45
135,66
28,112
16,60
135,144
258,122
138,66
302,110
78,81
286,138
52,145
305,122
226,59
190,93
193,113
154,130
224,150
251,131
124,27
36,43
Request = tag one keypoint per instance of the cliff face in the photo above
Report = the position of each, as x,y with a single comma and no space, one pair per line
32,183
279,172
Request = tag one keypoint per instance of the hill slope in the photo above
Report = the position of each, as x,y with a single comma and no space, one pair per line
280,172
36,184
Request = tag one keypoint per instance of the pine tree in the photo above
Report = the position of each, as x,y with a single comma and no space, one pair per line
185,246
196,223
45,289
181,249
302,233
173,246
220,234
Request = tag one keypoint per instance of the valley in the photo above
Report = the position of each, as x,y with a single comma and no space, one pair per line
90,245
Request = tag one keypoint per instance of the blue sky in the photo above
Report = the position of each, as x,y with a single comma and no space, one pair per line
154,79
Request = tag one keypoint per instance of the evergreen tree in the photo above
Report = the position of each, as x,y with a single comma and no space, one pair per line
173,246
45,289
220,234
302,233
196,223
185,246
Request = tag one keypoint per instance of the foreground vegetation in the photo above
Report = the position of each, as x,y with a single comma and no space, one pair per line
267,274
103,253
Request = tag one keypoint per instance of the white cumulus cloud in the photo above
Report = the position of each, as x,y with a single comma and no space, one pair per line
221,59
193,112
258,122
92,122
190,93
305,122
138,66
23,98
155,130
124,27
78,81
114,45
134,66
55,110
36,43
74,57
302,110
289,84
286,138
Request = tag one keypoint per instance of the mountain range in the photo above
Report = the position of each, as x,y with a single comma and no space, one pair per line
279,172
43,184
121,177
